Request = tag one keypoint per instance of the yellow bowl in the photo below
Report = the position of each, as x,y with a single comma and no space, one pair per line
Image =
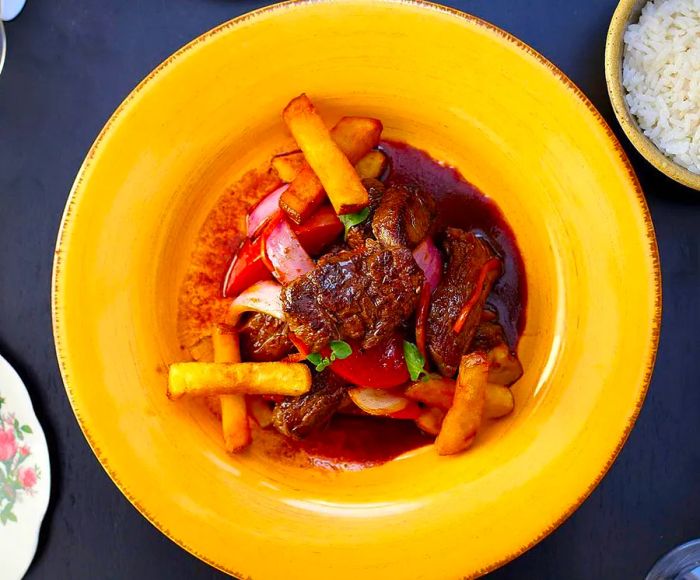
626,13
474,97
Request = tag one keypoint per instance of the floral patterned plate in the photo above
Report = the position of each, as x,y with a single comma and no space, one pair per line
25,475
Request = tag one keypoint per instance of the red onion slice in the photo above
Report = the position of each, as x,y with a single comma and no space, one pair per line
286,254
264,210
429,260
262,296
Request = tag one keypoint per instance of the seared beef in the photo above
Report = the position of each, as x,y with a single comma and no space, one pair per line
298,416
357,235
361,294
467,256
264,338
404,217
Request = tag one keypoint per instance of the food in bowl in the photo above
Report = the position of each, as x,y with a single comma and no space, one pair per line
661,73
372,283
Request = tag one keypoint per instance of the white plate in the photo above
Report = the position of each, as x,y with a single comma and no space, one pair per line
24,495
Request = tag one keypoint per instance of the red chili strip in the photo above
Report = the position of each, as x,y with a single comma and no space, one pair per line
492,264
422,319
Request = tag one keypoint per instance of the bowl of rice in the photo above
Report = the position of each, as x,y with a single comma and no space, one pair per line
652,68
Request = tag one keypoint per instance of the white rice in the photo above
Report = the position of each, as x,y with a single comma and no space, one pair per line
661,72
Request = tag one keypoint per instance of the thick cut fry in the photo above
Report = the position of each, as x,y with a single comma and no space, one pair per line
234,415
504,367
435,392
464,417
355,136
430,420
288,165
331,166
248,378
260,411
439,393
372,165
499,401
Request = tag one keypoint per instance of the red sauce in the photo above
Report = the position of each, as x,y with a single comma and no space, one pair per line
353,442
356,442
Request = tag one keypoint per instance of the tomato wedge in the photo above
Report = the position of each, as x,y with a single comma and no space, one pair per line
380,367
247,268
319,230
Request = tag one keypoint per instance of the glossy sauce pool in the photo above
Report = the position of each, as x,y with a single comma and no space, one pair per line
354,442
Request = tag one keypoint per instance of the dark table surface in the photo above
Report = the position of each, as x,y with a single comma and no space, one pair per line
70,63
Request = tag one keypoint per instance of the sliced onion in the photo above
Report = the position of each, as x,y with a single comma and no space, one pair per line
262,296
288,258
264,210
429,260
378,401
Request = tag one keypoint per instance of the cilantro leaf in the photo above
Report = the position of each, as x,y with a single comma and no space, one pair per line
340,349
318,361
414,361
26,429
352,219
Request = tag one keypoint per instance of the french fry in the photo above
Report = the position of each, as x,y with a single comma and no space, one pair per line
504,367
331,166
435,392
247,378
372,165
464,418
355,136
288,165
439,393
430,420
260,410
499,401
234,415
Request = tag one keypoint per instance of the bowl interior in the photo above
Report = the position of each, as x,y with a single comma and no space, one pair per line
472,97
626,13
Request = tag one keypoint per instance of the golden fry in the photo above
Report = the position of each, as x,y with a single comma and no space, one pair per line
303,196
288,165
464,417
234,415
355,136
431,420
499,401
504,367
260,410
435,392
331,166
248,378
372,165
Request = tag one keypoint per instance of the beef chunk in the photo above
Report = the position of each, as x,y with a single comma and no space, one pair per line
404,216
357,235
467,256
264,338
361,294
298,416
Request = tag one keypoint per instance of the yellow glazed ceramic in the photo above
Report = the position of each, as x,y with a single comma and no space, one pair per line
626,13
477,99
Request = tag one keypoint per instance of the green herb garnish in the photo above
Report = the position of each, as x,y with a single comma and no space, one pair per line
352,219
415,362
339,350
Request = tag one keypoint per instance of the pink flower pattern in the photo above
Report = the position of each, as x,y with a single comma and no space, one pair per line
16,479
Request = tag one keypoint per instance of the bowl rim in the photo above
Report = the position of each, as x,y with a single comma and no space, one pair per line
614,54
77,191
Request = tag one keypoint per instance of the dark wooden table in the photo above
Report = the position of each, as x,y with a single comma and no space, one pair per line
69,65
